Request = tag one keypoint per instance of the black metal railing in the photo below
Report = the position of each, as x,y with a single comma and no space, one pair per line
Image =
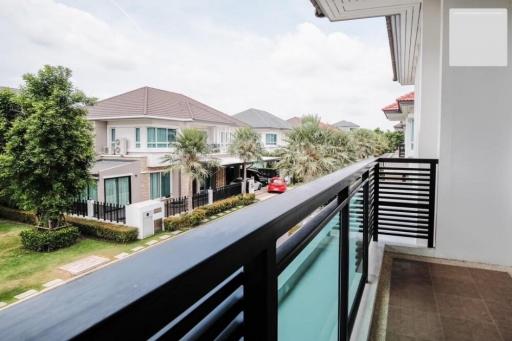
406,191
175,206
200,199
110,212
221,281
79,208
227,191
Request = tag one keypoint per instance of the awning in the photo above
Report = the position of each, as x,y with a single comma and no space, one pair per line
233,160
103,165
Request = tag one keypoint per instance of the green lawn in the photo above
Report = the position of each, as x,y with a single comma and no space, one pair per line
22,270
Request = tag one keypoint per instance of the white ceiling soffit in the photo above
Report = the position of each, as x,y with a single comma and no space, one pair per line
403,20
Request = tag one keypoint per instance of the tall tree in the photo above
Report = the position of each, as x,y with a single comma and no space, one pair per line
190,156
247,146
10,109
50,149
308,153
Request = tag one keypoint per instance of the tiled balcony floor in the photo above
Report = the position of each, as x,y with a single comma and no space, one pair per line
430,301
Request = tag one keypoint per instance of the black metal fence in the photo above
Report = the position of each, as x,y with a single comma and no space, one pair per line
110,212
227,191
199,199
175,206
222,281
79,207
406,191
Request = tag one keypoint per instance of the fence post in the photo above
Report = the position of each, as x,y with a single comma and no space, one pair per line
376,181
260,294
90,208
210,196
251,185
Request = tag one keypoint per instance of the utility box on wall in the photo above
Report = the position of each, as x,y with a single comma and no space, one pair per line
147,216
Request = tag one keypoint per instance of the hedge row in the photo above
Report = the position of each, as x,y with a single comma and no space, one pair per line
17,215
194,218
45,241
104,230
89,227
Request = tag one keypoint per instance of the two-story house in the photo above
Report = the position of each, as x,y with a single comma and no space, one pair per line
346,126
271,128
402,110
135,130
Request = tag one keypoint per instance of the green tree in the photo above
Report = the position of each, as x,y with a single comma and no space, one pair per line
309,152
9,111
190,156
395,139
49,149
247,146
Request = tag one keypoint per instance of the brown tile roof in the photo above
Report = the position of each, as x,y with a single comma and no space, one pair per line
156,103
395,107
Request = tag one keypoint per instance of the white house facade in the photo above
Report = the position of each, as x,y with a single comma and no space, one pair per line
271,128
134,131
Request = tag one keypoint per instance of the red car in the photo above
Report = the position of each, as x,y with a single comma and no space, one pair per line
277,184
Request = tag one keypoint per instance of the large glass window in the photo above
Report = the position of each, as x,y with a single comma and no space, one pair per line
271,139
161,137
118,190
113,139
137,137
90,192
160,185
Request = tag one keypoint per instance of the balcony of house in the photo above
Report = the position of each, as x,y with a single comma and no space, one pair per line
301,266
343,257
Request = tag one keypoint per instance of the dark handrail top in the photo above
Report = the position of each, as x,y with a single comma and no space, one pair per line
71,309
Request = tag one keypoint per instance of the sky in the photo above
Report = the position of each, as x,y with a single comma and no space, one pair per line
230,54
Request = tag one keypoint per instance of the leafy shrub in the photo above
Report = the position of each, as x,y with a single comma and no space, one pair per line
17,215
49,240
194,218
185,220
104,230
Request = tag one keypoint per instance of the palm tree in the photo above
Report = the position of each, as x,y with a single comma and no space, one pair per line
247,146
190,156
308,153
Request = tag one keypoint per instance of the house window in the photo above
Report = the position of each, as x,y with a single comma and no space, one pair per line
137,137
161,137
90,192
271,139
160,185
118,190
113,139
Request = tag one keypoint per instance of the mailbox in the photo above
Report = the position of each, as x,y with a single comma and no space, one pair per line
147,216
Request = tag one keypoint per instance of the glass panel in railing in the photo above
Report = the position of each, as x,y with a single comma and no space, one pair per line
308,289
355,261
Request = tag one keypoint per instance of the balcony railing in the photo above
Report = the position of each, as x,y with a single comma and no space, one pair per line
232,278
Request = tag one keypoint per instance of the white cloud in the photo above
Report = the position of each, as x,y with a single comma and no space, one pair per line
303,71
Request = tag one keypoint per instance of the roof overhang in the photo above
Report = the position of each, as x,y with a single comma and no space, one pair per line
403,21
395,115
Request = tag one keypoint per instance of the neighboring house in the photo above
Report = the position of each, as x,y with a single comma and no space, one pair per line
402,110
297,121
134,131
399,127
346,126
271,128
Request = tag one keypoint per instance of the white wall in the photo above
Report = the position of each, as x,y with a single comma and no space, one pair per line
125,128
281,137
409,134
428,83
474,218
